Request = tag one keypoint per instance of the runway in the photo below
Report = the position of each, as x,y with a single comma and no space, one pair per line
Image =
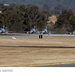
64,65
24,34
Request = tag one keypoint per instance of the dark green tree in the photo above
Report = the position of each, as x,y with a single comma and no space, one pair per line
19,18
65,19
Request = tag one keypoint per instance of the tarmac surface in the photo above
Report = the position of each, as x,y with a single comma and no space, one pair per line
63,65
23,34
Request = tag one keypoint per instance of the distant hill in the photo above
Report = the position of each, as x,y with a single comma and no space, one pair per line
46,4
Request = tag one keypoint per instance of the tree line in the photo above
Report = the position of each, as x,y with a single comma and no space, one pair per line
65,22
20,18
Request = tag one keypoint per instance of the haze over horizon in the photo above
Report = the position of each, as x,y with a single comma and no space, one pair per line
46,4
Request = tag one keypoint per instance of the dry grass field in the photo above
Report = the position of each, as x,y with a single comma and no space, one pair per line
35,41
21,57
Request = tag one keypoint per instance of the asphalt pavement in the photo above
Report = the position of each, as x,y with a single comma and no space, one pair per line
62,65
24,34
